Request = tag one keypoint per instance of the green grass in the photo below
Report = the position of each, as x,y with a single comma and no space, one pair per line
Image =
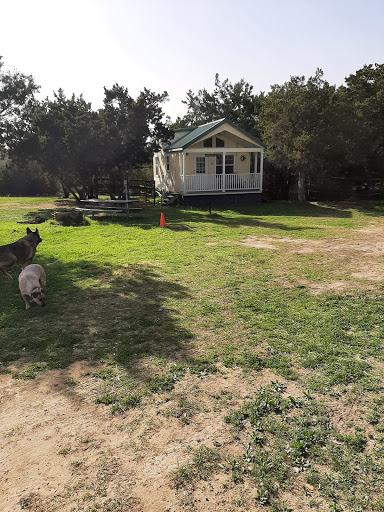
157,306
29,372
204,462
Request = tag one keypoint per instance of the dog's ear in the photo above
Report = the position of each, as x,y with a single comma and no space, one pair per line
37,231
28,231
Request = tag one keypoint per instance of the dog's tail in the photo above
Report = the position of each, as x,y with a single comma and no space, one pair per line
49,264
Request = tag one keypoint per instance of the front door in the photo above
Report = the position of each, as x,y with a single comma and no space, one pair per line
200,164
200,173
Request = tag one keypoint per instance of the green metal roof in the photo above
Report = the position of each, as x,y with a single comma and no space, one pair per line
193,135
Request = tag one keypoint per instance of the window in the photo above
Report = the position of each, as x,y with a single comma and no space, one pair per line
167,163
200,164
219,143
208,143
229,164
252,163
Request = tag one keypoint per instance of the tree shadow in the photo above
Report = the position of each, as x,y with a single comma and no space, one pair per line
37,216
369,208
287,209
180,219
95,312
183,220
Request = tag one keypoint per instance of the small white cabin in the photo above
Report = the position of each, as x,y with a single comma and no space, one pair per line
214,159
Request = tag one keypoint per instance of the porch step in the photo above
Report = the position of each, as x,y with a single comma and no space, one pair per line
171,199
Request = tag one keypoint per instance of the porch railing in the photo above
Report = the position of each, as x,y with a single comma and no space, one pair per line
222,183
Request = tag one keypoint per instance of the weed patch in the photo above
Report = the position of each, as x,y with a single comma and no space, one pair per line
204,462
29,372
183,410
118,389
202,366
162,383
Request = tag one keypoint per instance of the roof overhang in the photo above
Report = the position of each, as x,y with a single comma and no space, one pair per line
232,131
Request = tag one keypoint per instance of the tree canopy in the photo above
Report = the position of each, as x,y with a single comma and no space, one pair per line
317,135
17,92
236,102
133,127
77,145
362,101
295,119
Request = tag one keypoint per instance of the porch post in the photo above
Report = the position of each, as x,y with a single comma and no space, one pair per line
183,184
261,169
223,184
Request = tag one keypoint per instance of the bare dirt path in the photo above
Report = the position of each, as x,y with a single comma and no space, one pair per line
61,451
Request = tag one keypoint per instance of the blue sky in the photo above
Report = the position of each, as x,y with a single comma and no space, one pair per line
174,45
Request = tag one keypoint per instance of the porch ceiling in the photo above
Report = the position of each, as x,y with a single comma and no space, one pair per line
237,140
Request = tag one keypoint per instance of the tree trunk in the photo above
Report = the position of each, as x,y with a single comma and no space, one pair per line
300,187
65,191
128,170
73,192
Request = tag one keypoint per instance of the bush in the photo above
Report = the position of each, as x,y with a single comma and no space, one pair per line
25,180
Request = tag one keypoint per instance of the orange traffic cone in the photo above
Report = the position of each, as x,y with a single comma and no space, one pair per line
162,221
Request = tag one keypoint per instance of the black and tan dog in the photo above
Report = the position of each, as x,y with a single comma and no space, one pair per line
22,251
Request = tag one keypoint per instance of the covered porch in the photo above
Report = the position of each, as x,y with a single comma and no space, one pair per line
221,183
218,172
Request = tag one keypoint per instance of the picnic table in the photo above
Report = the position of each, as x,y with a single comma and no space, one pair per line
108,205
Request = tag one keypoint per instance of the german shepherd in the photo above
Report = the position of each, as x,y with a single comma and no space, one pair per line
22,251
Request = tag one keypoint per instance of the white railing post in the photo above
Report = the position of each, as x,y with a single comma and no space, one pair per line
223,184
183,187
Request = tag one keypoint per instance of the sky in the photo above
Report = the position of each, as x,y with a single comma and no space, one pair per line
82,46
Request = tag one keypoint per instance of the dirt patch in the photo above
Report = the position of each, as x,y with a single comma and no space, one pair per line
359,258
265,243
61,451
370,246
39,206
339,287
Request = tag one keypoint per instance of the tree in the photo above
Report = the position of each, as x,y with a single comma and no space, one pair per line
25,179
133,128
236,102
75,144
296,120
16,100
362,102
63,139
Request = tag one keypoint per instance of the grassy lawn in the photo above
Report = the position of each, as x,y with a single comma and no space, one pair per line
266,290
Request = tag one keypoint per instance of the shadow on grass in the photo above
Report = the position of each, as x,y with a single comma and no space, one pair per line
369,208
37,216
180,219
94,312
289,209
272,209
